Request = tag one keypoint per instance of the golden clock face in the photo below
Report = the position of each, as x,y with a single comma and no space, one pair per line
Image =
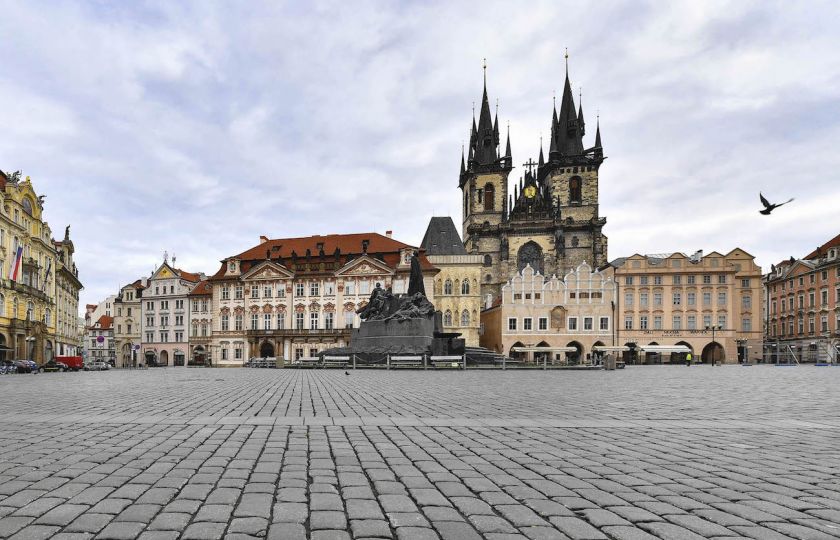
530,191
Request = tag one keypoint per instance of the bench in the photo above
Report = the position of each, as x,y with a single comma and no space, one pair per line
405,361
335,361
448,362
308,362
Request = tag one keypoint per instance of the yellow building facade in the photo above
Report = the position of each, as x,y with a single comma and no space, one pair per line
30,260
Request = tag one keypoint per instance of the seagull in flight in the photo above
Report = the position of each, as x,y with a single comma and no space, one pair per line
769,207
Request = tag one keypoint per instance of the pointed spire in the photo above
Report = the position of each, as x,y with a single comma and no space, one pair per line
542,159
507,149
463,167
567,139
580,112
598,132
485,145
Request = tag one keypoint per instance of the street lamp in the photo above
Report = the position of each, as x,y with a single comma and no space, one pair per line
714,350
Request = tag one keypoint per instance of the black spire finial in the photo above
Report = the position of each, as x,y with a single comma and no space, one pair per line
507,150
463,166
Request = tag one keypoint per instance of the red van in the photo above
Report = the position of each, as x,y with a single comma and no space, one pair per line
73,362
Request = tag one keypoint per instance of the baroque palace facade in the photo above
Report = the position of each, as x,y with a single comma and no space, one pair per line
39,298
294,297
551,221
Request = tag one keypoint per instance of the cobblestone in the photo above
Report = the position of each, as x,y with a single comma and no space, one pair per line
633,455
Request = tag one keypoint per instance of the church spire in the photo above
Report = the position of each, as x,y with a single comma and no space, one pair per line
567,139
463,166
484,139
507,148
581,123
541,162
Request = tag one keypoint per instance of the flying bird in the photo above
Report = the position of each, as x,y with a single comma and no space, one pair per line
769,207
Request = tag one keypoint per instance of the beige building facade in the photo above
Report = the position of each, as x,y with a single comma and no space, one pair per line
575,312
457,292
127,324
710,304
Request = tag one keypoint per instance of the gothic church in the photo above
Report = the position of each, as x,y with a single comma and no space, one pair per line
551,219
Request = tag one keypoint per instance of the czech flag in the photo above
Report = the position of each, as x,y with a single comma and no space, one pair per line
17,263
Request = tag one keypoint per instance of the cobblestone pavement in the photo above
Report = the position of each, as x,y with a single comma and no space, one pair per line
647,452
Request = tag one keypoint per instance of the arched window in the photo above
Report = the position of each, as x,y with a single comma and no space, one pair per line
465,318
447,287
30,311
574,189
47,317
447,318
465,287
14,308
530,253
489,197
488,260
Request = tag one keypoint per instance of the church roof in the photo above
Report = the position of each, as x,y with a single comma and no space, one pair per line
442,238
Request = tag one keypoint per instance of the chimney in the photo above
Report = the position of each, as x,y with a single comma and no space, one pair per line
263,239
389,234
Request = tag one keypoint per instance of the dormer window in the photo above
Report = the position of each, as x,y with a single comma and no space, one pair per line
231,266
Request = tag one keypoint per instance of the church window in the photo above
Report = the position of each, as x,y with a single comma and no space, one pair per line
574,190
466,203
447,318
465,287
488,260
488,278
489,197
447,287
480,195
575,241
530,254
465,318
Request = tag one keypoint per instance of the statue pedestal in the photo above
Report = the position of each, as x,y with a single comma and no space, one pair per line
413,336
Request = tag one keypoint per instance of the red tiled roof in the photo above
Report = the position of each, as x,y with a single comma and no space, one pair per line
379,247
105,322
189,276
202,289
823,249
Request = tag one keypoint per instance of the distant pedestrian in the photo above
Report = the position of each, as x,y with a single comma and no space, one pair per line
688,360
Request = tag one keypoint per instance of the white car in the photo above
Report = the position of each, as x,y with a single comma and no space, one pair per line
98,366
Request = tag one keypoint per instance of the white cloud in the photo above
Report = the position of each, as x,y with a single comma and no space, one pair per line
194,128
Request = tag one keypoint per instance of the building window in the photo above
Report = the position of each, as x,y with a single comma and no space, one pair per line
722,279
194,329
349,287
281,291
195,305
489,198
465,318
677,322
824,323
628,280
657,322
707,321
314,289
657,299
447,286
349,319
707,280
527,323
677,298
203,330
722,321
238,292
628,322
543,323
707,299
587,323
281,321
225,323
328,320
267,291
657,280
746,324
255,291
254,321
574,189
267,321
299,289
604,323
691,321
643,300
488,260
573,323
298,353
364,287
238,322
150,321
224,353
691,279
746,302
643,280
447,318
237,352
465,287
299,320
643,322
511,323
677,279
628,299
722,298
225,292
745,283
314,319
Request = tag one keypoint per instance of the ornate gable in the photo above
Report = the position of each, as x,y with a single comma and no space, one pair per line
365,266
267,270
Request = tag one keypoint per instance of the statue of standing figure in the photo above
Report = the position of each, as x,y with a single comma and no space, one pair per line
415,279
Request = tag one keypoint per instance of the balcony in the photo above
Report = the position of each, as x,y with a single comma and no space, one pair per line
299,332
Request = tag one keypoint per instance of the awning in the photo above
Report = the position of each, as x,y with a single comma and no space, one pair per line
544,349
665,349
609,348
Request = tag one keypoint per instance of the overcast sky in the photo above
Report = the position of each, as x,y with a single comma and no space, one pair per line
196,129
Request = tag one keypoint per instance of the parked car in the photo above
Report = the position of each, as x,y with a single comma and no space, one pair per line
98,366
8,367
22,366
73,362
53,365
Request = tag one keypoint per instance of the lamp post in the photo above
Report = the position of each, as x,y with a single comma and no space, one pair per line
714,349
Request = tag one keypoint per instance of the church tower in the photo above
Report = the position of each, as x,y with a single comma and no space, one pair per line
483,182
571,177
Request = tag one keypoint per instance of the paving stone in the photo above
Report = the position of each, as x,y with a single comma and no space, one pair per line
204,531
327,519
452,530
123,530
576,528
416,533
627,533
36,532
669,531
